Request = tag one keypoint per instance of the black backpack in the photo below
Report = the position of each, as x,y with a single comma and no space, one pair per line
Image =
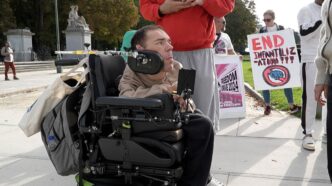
60,134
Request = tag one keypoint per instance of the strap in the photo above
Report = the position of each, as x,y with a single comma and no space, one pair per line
79,65
82,75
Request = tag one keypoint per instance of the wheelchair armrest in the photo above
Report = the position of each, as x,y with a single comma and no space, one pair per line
149,103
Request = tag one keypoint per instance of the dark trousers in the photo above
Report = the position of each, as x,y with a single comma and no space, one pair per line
199,136
329,129
9,65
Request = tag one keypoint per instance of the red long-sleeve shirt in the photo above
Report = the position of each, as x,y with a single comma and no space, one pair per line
191,28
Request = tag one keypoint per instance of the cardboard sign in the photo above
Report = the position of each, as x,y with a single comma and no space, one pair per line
231,88
274,60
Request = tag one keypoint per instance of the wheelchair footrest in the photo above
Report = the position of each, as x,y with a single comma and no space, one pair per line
117,171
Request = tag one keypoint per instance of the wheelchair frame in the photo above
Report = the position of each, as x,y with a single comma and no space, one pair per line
114,146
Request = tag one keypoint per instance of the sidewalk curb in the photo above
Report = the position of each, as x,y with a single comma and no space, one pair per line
27,90
253,93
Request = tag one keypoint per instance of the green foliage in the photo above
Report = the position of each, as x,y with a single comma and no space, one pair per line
7,18
247,72
109,19
38,16
142,22
241,22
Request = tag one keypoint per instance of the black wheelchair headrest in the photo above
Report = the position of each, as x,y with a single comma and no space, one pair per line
105,72
146,62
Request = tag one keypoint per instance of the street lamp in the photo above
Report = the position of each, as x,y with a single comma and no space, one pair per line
58,68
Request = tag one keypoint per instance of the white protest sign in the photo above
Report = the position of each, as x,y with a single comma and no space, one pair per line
231,88
274,60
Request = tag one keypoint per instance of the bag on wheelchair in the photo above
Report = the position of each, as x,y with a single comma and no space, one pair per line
59,133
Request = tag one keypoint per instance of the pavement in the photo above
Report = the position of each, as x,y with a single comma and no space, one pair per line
256,150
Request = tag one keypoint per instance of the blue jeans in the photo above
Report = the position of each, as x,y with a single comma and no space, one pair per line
288,93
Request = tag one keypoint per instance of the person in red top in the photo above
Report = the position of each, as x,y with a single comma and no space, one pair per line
189,23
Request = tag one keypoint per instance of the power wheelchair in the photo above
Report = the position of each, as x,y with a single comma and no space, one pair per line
128,141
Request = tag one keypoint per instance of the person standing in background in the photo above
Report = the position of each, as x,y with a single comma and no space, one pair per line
223,43
323,83
271,26
8,52
309,21
190,25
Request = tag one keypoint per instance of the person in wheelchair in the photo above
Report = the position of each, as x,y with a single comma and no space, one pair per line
199,134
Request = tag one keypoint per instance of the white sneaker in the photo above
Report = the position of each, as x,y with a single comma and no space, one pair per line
308,142
214,182
324,138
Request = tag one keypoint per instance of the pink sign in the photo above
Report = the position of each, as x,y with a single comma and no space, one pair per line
229,92
231,87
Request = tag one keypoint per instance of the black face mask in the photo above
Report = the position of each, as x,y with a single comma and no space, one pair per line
146,62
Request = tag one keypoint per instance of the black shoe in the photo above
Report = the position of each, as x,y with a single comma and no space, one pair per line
7,79
16,78
267,110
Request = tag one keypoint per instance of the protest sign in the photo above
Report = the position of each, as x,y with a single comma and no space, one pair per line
274,60
230,84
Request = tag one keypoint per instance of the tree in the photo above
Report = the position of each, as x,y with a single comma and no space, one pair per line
142,22
241,22
7,19
109,19
38,16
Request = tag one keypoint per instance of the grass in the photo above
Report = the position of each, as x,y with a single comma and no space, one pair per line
278,99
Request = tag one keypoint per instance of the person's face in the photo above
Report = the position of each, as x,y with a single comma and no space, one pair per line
220,24
269,22
7,44
159,41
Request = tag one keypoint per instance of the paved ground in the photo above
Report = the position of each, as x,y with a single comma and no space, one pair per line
255,150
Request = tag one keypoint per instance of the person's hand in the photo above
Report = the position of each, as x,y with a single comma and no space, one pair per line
172,88
180,100
319,89
197,2
172,6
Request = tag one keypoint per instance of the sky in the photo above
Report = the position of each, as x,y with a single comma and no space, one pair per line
285,11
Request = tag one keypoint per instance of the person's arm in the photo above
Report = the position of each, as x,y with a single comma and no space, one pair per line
217,8
153,11
322,77
149,10
321,62
307,26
